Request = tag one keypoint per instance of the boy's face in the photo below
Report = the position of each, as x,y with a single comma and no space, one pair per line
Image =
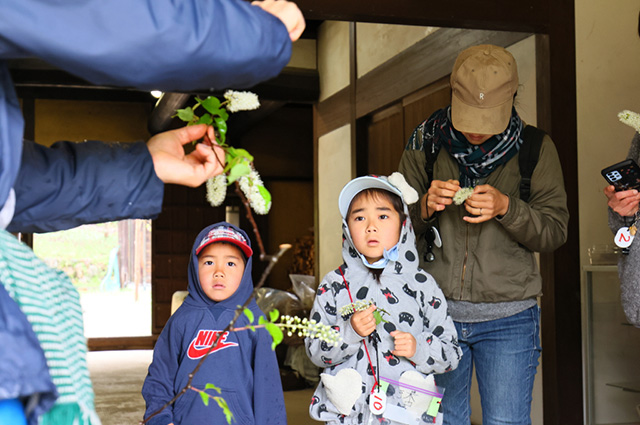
374,225
220,268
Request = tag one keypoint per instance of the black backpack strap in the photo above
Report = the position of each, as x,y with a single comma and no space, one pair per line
528,158
429,148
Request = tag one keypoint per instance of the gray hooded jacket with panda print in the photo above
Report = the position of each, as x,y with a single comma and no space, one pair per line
415,304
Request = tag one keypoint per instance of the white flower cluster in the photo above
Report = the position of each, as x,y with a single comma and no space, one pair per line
217,190
347,310
462,195
241,101
250,186
310,329
630,118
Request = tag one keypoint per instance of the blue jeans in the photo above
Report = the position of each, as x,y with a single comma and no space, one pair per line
505,353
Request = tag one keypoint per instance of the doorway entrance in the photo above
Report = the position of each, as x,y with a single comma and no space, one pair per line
110,266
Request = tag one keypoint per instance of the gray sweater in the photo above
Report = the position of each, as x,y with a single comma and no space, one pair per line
629,265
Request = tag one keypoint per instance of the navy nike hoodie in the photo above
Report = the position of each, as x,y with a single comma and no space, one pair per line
242,365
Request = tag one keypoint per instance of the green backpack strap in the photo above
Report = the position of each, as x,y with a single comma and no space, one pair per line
528,158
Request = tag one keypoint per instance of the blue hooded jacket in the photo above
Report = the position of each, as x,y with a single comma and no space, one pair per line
243,365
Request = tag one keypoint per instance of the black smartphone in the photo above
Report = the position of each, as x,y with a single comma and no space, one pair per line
624,175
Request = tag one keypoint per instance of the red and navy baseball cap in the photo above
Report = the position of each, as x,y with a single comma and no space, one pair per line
226,234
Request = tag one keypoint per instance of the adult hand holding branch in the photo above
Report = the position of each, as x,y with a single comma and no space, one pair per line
171,163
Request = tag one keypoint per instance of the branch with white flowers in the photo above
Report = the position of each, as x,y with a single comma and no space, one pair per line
238,162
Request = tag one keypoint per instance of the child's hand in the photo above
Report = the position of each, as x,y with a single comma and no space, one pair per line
405,344
363,321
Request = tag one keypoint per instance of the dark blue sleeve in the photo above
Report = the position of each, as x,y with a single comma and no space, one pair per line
268,398
70,184
169,45
23,368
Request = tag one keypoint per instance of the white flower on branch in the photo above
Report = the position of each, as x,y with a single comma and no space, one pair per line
217,190
630,118
241,101
306,328
257,195
346,311
462,194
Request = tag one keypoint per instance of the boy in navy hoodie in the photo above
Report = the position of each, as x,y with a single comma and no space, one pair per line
242,364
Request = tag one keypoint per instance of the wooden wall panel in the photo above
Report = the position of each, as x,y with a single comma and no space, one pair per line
420,105
385,141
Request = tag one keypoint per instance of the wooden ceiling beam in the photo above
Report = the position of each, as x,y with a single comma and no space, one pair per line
502,15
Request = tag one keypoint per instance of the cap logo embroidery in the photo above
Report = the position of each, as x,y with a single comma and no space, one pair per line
481,96
225,233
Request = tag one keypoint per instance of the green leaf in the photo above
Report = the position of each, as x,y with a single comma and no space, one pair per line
225,408
249,314
205,398
274,314
221,125
243,153
276,334
237,171
211,104
211,386
377,316
265,194
205,119
185,114
253,328
223,114
262,320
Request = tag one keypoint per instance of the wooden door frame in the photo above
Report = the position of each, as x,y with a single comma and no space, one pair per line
553,23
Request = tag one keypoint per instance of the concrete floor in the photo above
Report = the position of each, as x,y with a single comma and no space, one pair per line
118,376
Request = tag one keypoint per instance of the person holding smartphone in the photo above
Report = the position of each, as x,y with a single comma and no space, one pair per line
623,212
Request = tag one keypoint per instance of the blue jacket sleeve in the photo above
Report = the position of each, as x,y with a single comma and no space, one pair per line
23,367
169,45
70,184
268,398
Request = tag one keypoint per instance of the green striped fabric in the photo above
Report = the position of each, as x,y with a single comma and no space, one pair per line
52,306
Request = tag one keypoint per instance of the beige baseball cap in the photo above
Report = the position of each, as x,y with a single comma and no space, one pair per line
483,82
